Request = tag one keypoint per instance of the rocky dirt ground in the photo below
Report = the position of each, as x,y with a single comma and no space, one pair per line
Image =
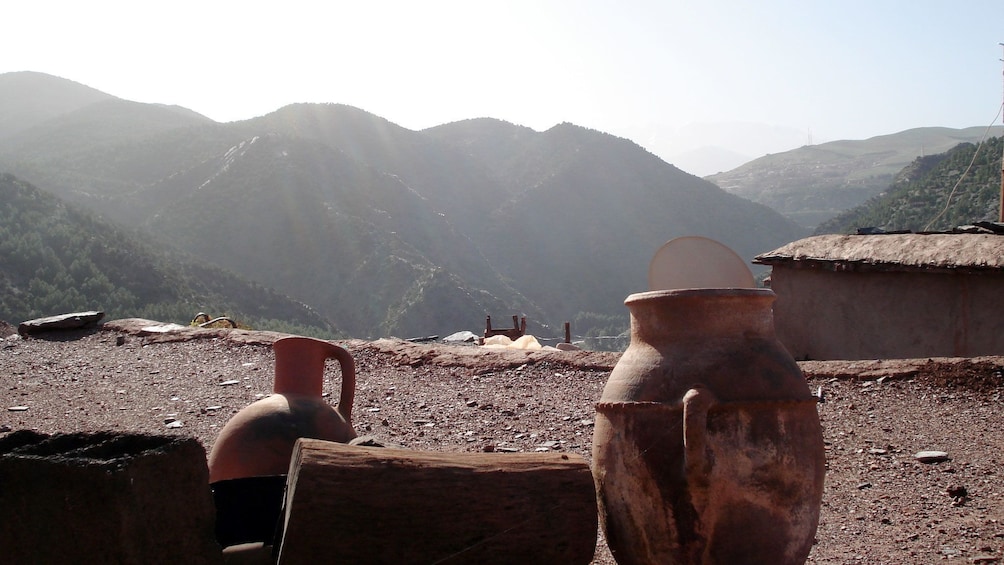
880,505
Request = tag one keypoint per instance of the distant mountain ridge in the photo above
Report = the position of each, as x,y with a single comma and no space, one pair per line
709,148
389,231
31,98
814,183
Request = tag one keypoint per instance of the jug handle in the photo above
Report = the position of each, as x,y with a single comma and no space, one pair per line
348,393
696,404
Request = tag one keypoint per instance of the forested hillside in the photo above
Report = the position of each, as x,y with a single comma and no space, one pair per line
55,258
935,192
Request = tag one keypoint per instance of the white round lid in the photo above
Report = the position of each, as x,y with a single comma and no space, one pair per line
697,262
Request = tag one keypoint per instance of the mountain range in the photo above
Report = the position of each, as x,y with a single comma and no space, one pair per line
380,229
815,183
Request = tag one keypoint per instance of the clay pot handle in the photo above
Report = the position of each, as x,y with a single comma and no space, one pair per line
348,365
696,403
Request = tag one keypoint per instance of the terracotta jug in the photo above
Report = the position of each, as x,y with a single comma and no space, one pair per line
707,446
258,440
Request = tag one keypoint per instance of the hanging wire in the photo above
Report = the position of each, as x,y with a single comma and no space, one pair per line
965,172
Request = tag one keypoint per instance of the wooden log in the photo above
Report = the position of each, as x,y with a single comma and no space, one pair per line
379,505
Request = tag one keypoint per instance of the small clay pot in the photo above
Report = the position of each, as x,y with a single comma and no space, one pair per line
258,440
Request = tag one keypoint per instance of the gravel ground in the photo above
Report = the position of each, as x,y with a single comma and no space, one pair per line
880,504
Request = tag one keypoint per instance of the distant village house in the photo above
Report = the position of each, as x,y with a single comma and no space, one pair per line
889,296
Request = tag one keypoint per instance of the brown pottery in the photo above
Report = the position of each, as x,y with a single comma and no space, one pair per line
707,446
258,440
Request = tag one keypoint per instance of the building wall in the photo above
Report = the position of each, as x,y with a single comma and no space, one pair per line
887,315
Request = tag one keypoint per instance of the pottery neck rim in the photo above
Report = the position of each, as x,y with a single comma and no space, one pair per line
664,316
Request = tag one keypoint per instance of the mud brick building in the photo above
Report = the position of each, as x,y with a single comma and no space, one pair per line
889,296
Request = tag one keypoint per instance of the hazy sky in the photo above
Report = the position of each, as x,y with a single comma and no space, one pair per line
834,69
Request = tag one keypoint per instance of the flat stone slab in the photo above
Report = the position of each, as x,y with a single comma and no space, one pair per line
72,321
931,456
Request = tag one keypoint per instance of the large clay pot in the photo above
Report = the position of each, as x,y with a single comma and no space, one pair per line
707,446
258,440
